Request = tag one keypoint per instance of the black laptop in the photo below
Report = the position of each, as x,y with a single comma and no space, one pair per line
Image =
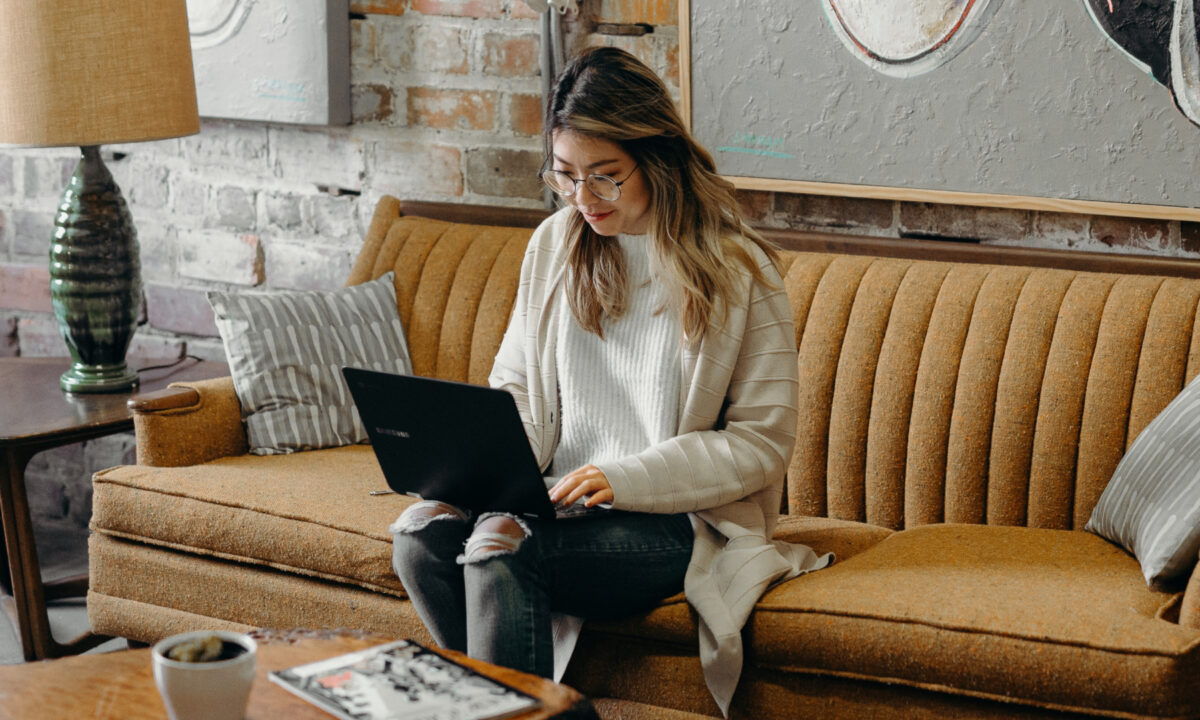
454,442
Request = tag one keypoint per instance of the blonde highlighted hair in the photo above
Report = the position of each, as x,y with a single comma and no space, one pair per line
608,94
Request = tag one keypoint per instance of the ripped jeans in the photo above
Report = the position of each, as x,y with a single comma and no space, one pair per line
493,599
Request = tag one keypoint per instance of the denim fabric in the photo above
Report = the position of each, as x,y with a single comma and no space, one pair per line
496,606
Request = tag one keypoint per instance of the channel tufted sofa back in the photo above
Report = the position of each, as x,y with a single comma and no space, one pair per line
937,392
929,392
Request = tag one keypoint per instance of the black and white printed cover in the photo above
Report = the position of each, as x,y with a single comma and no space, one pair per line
402,680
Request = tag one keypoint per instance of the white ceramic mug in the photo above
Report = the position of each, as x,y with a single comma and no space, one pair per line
216,690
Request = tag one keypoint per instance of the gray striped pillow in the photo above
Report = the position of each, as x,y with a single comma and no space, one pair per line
1151,506
286,351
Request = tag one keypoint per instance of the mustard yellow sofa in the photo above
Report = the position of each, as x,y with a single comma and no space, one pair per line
958,422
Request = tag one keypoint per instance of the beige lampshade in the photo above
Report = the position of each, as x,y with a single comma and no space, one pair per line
95,72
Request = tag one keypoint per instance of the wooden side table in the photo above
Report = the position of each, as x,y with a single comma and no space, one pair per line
120,685
35,415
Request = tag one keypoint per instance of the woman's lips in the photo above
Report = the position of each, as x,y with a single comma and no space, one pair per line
595,217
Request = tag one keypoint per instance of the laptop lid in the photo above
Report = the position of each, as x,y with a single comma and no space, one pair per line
458,443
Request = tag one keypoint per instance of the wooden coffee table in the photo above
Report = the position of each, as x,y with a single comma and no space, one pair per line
120,685
35,415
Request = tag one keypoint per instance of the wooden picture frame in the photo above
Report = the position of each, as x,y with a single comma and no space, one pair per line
1010,200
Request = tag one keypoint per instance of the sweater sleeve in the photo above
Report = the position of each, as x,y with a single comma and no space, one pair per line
749,370
512,365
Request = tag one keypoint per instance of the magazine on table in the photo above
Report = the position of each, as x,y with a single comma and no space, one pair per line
402,680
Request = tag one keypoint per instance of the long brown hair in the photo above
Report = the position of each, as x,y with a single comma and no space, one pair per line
609,94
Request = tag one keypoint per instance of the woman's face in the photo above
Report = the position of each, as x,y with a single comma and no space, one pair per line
580,156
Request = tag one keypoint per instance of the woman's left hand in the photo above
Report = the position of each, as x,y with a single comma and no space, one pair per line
588,481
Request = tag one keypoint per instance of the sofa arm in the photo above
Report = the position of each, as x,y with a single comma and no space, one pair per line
188,423
1189,612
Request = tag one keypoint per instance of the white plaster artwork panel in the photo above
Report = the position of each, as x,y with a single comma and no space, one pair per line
282,61
903,38
1040,104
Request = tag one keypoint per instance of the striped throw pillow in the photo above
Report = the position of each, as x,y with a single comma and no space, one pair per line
1151,506
286,351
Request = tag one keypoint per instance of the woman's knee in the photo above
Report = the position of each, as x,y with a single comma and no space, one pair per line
495,535
419,515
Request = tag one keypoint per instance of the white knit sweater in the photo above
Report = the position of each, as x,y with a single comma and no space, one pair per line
619,393
724,465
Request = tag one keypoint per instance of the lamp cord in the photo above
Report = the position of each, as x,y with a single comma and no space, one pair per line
186,356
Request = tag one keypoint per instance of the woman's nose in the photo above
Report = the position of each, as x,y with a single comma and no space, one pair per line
582,188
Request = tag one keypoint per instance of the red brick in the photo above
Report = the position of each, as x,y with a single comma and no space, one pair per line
441,169
510,55
652,12
452,109
671,73
460,8
179,310
146,350
756,206
1189,236
960,222
427,48
1131,232
520,10
8,337
25,287
371,103
503,172
40,337
221,257
833,211
1067,228
525,114
362,43
378,7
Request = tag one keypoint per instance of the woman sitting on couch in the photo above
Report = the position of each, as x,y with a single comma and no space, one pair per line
652,357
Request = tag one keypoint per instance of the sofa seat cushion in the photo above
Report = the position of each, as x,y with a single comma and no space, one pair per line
1053,618
307,512
673,620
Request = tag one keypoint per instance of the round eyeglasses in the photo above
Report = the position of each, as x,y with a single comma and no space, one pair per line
602,186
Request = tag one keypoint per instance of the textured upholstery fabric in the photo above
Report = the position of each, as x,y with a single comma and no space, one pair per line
286,351
1000,611
209,429
1151,506
308,513
455,289
973,394
140,577
931,393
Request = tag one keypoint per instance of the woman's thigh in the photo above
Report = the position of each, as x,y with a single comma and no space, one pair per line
614,564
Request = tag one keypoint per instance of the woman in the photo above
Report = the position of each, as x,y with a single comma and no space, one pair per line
651,354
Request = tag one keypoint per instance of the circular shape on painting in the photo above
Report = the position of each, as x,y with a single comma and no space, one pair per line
212,22
904,38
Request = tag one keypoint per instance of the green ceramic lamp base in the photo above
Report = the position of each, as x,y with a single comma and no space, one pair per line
98,379
95,279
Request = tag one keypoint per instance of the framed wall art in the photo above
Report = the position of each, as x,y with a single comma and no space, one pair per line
1073,105
284,61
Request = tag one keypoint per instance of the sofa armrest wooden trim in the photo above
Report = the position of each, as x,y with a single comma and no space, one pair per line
171,398
189,424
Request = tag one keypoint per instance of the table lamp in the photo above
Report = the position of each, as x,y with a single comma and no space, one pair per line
89,73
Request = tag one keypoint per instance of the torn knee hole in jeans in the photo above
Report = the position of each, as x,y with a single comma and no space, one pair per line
420,514
493,539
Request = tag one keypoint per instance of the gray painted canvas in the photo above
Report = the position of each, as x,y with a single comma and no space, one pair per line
274,60
1041,103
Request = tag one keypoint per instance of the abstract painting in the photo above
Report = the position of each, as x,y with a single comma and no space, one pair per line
1160,37
284,61
1018,104
903,38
